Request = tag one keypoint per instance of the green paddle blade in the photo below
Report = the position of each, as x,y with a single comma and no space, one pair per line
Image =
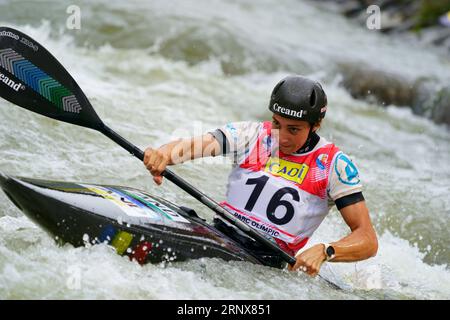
32,78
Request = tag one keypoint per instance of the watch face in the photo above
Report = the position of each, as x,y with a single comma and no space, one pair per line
330,251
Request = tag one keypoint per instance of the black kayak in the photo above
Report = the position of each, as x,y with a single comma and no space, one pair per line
144,227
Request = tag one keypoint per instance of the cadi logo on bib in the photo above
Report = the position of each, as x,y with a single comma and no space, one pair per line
295,172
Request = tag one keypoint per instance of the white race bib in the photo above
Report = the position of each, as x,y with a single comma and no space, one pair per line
271,204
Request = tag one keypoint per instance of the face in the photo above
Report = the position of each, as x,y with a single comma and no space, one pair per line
291,134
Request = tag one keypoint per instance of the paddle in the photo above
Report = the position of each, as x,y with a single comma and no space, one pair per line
32,78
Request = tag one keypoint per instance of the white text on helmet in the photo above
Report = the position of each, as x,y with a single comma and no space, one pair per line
286,111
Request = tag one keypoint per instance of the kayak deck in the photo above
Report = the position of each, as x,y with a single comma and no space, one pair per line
144,227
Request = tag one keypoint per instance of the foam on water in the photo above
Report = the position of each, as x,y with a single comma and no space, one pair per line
149,95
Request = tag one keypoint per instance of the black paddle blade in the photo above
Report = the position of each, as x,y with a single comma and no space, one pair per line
32,78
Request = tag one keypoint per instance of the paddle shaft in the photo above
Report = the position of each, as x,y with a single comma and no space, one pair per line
200,196
114,136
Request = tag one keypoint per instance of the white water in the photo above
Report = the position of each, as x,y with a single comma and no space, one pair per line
153,71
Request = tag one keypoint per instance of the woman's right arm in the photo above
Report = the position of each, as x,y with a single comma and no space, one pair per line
179,151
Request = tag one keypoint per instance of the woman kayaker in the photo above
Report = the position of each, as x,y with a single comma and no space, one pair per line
285,179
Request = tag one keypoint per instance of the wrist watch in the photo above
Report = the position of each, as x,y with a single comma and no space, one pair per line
329,251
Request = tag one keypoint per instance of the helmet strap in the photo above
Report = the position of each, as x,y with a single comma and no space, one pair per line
311,141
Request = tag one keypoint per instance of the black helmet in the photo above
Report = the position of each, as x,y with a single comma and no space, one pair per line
299,98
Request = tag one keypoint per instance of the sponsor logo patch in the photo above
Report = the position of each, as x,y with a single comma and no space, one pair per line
321,161
346,170
295,172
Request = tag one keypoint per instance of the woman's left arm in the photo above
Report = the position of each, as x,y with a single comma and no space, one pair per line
360,244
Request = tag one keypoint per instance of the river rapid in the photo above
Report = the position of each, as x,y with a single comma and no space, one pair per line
157,70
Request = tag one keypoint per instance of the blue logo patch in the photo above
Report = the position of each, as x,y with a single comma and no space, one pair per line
321,161
232,131
350,174
231,128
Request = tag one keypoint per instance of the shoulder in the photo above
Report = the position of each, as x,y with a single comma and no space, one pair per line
242,125
345,169
236,136
344,178
238,130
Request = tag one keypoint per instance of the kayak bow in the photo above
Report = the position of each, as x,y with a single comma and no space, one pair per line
144,227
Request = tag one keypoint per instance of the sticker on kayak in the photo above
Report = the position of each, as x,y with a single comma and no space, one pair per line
155,205
136,204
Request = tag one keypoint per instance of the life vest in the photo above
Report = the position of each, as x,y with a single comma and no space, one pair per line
283,196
